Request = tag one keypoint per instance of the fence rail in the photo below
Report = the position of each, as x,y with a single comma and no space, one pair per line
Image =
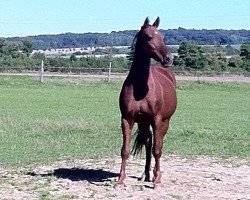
110,73
106,75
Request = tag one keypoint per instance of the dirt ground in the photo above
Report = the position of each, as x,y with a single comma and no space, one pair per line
199,178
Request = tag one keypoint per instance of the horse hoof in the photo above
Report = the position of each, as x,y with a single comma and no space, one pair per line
119,186
147,179
144,178
158,186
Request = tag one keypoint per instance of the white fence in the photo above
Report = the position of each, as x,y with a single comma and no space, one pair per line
111,76
109,73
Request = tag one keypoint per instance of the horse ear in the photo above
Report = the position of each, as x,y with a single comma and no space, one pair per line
157,22
146,22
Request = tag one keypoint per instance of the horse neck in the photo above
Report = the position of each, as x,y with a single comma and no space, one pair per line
140,68
138,75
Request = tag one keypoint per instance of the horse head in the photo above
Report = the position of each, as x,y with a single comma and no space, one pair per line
152,43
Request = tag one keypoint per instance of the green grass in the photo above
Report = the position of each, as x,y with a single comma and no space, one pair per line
211,119
71,118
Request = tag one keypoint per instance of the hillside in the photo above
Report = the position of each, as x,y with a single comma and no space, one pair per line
125,38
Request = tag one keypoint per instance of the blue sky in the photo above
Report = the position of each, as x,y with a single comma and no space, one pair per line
34,17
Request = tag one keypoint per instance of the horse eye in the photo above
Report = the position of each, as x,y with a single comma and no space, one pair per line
148,37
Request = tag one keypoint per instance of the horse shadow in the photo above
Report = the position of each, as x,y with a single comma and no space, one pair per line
79,174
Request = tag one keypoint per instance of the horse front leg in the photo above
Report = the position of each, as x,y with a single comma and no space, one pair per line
127,126
160,129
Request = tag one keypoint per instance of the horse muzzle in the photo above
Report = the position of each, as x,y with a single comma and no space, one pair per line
167,61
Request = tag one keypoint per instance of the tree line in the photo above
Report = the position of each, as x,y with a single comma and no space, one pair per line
191,58
125,38
18,57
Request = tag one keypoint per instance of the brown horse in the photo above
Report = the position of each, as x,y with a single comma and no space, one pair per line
148,98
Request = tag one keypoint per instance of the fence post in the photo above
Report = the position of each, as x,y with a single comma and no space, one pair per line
109,73
41,72
222,76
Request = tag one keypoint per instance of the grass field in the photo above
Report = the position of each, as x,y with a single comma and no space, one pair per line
72,118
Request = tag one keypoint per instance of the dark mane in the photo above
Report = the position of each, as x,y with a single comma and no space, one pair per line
132,49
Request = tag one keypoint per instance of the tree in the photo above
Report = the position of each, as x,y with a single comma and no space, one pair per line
246,65
245,51
191,56
2,44
235,61
245,55
179,62
222,61
73,57
39,56
14,50
27,47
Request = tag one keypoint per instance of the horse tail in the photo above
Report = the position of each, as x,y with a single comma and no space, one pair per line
138,143
140,140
